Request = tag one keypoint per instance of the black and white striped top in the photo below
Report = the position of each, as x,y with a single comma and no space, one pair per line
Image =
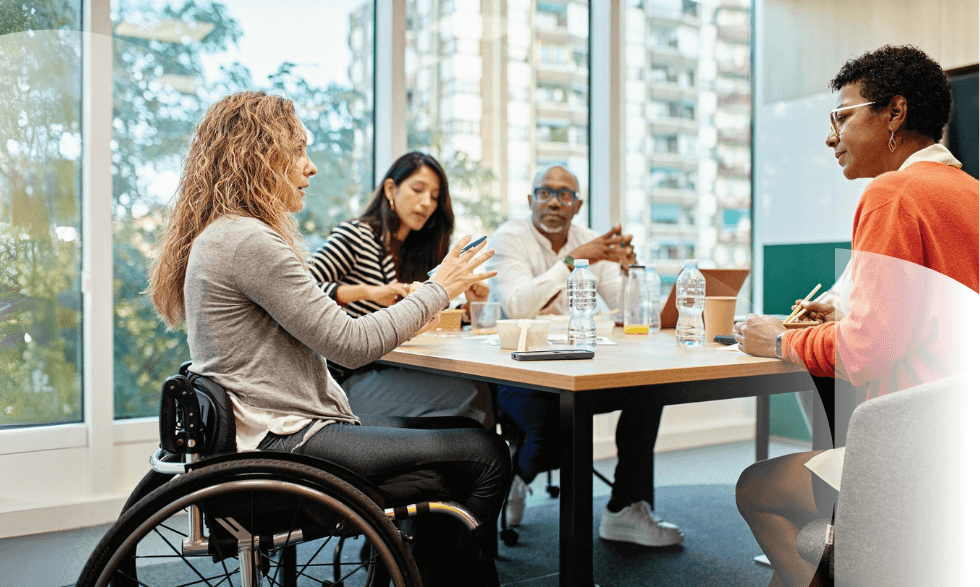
352,255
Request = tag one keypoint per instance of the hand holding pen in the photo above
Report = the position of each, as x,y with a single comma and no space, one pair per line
456,272
466,248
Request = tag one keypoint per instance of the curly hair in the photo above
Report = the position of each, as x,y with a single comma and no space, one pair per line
237,165
902,71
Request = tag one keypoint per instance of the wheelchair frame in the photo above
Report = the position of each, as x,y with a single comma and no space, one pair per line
197,446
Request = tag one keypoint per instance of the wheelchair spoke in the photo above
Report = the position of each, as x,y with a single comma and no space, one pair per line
224,577
183,558
315,554
126,576
292,525
358,568
177,532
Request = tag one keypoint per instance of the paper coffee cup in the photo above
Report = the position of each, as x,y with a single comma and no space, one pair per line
719,316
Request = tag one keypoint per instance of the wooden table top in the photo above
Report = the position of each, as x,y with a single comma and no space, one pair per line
634,360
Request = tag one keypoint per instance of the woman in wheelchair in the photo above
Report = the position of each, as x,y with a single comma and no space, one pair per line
232,267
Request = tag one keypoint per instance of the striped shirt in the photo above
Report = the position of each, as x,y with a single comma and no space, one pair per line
352,255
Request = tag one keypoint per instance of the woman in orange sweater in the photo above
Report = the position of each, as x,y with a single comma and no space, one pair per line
915,234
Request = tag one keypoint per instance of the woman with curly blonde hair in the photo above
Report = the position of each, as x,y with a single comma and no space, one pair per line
230,155
232,266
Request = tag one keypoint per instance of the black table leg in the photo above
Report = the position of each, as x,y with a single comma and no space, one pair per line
761,427
575,519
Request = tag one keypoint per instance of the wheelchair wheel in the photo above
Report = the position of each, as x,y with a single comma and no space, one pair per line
265,522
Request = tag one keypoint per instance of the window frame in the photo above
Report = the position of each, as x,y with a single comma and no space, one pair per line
107,455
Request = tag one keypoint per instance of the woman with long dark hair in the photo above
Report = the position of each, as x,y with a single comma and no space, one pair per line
368,263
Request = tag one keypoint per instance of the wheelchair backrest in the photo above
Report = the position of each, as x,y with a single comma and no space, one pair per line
196,416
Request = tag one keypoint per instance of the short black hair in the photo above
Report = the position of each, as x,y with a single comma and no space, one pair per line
902,71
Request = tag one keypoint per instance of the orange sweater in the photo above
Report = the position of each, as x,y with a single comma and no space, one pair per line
899,331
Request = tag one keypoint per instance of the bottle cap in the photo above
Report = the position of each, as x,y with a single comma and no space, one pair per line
581,262
691,262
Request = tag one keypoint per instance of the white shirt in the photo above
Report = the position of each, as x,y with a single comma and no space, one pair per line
530,272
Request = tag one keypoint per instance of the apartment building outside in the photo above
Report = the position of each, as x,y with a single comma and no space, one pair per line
504,86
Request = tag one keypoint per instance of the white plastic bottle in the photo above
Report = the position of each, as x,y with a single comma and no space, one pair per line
581,291
690,305
653,298
635,305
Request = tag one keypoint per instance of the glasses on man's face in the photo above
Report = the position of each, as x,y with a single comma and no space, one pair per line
565,196
835,122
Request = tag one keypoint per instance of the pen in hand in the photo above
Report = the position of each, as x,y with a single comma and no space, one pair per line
466,248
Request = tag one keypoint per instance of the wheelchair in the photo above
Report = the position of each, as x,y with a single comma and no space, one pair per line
208,515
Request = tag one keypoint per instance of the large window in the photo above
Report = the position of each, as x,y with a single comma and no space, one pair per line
687,79
40,240
495,97
174,58
525,104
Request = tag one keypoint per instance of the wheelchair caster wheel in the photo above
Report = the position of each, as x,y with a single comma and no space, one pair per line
553,491
509,536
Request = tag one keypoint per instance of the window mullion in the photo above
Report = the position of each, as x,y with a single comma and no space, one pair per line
97,295
605,115
390,135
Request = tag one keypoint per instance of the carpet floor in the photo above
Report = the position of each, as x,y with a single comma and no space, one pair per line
718,548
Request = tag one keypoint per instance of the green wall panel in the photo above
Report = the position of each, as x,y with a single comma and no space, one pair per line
789,272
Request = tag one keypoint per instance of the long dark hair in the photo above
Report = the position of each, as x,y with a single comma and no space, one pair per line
422,249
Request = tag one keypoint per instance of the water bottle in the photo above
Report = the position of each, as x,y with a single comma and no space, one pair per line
581,292
653,298
690,305
635,306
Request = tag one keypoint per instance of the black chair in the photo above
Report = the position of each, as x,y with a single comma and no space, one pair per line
282,517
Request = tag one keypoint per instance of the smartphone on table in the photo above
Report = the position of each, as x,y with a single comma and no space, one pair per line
552,355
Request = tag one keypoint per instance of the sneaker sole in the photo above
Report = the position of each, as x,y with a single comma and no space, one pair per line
632,539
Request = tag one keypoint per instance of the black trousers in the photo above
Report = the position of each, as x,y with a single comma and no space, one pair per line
536,414
474,461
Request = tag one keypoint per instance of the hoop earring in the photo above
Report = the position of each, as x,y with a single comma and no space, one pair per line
892,145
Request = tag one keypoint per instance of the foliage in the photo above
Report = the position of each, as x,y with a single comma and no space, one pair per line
39,267
470,182
39,330
160,90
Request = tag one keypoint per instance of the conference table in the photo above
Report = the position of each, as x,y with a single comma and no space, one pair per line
634,370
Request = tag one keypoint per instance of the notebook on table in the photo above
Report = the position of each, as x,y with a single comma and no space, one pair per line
717,282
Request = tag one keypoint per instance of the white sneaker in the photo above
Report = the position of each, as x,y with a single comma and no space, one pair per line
516,498
638,525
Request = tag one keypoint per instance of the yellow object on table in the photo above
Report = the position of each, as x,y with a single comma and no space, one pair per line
637,329
450,320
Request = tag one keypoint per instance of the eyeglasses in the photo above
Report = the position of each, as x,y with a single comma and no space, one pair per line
565,196
835,122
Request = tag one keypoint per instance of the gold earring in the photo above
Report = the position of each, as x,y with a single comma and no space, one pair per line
892,145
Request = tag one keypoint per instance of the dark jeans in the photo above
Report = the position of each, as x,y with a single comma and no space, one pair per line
536,414
473,461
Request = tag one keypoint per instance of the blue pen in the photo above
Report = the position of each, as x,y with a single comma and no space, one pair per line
466,248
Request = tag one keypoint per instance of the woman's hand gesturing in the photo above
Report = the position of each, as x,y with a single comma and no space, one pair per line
456,274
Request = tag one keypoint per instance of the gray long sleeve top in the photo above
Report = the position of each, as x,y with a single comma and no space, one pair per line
258,325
